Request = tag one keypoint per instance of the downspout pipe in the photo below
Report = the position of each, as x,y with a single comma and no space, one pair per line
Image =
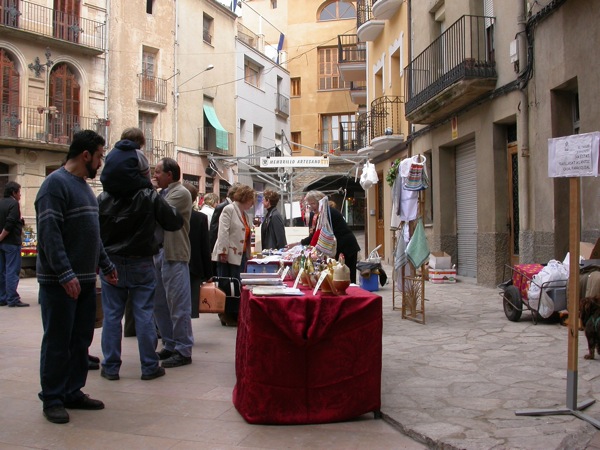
175,83
106,62
523,125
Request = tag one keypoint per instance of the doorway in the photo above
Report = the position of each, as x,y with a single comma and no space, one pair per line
513,203
379,228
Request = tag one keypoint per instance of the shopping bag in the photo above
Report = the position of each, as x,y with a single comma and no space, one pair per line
212,299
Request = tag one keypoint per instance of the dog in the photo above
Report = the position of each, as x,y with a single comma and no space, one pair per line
589,313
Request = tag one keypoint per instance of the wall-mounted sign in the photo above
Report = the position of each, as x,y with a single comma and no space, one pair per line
574,156
294,161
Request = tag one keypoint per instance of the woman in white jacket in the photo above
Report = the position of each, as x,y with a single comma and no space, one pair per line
233,247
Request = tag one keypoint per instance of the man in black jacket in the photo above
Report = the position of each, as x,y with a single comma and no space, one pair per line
127,224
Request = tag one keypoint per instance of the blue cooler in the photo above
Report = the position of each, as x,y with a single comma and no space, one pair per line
370,283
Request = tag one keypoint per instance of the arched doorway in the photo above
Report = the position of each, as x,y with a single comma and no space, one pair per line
9,101
65,97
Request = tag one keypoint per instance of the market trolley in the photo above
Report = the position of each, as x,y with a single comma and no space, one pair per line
514,291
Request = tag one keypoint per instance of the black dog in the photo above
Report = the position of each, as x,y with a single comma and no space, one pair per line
589,313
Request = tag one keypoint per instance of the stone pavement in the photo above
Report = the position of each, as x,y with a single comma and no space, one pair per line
454,382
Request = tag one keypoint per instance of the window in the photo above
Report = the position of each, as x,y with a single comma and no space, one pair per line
338,132
295,87
252,72
146,124
66,20
296,141
149,4
148,74
9,13
337,10
64,95
207,28
9,100
273,4
242,130
575,109
329,77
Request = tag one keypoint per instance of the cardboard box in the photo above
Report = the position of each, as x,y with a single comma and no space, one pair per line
442,276
440,260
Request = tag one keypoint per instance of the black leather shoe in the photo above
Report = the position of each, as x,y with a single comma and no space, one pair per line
85,402
94,359
3,303
18,304
56,414
109,376
164,354
92,365
177,360
159,372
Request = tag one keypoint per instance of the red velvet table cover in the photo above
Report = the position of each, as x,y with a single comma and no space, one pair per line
310,359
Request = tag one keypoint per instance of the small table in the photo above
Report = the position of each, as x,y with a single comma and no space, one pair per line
309,359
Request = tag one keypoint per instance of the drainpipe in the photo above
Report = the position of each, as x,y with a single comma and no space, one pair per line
523,125
175,82
106,61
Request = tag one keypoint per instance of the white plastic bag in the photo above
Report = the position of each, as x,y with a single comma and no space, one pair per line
369,176
555,274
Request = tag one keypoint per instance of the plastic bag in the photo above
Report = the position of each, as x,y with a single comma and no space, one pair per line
555,274
369,176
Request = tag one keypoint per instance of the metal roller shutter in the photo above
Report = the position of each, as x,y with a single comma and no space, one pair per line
466,209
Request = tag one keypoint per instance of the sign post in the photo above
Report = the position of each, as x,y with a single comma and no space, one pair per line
574,157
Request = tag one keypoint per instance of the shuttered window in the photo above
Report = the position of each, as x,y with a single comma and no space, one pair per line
9,84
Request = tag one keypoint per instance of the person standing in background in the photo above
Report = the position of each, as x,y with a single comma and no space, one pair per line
272,232
11,224
208,208
172,307
69,252
200,264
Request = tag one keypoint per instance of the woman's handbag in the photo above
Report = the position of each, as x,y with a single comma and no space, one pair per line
326,243
212,299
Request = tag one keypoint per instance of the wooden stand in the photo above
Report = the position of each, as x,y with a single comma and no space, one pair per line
412,288
573,408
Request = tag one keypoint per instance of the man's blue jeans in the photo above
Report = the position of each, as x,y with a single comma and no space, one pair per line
172,306
136,281
68,333
10,268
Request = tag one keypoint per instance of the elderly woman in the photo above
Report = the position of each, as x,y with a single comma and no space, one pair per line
272,232
346,241
232,249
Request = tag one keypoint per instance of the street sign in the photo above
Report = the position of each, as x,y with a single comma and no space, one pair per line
294,161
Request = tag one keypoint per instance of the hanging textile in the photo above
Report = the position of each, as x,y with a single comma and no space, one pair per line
417,250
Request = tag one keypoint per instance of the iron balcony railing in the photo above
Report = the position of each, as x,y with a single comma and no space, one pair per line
45,124
350,49
363,12
155,150
206,36
358,86
463,51
363,129
44,21
385,116
255,152
248,37
283,105
152,89
211,140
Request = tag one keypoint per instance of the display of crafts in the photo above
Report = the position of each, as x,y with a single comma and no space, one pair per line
314,264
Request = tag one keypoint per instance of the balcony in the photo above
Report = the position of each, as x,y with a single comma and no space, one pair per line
155,150
248,37
358,92
26,19
24,126
352,58
386,118
363,134
367,28
457,68
282,109
152,90
255,152
385,9
211,140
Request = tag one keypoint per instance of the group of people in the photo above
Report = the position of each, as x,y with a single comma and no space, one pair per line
152,250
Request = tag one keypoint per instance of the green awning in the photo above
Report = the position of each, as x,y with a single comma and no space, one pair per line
222,136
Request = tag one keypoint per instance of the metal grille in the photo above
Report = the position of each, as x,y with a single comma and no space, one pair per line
466,209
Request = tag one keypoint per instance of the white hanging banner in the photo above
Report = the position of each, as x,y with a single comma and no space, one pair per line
574,156
294,161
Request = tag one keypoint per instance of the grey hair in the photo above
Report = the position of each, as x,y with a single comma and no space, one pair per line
314,195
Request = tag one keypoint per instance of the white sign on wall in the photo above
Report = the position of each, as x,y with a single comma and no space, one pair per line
574,156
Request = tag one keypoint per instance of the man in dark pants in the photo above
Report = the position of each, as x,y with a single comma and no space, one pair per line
69,252
11,224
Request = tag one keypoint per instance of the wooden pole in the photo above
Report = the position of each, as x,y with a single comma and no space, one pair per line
574,238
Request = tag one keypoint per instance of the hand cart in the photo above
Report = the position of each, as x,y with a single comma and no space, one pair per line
233,289
514,292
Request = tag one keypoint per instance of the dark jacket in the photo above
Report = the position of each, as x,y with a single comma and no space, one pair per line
127,224
346,241
121,174
11,220
272,231
200,263
214,223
